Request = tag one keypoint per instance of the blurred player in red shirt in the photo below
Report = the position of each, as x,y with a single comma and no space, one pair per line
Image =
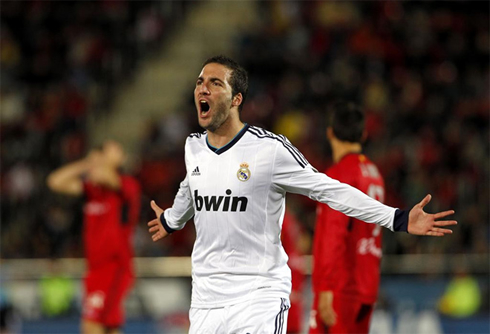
111,211
346,251
295,242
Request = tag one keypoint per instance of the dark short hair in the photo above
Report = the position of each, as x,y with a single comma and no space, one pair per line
347,121
238,79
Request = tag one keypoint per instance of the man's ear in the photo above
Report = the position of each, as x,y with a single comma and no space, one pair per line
237,100
364,136
330,134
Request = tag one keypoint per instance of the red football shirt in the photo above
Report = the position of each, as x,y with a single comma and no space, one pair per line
131,195
346,251
291,232
109,220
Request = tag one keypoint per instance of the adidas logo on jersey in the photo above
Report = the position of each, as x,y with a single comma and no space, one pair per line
214,203
196,172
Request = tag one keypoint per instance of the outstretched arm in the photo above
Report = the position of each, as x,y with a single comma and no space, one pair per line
422,223
354,203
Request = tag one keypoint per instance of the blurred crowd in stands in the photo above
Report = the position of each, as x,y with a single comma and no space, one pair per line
61,62
420,70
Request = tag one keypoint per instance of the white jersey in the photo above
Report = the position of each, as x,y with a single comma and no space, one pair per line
237,196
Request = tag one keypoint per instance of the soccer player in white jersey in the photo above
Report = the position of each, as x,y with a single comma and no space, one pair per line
237,179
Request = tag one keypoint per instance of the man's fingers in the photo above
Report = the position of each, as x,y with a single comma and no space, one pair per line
154,229
435,234
155,207
425,201
440,215
441,231
445,222
153,222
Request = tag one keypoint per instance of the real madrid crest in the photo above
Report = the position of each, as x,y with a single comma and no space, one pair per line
243,173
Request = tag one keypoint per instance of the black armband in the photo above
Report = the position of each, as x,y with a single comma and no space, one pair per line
400,223
165,225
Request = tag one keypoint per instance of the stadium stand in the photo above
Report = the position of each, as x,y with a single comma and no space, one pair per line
420,69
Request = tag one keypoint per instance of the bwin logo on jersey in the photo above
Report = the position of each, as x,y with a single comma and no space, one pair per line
213,203
243,173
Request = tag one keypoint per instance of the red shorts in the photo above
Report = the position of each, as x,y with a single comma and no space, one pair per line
105,289
352,317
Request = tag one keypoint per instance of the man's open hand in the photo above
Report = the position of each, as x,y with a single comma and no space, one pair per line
423,223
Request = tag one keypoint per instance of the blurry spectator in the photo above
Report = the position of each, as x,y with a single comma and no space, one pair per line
56,222
12,107
149,29
462,297
10,322
19,182
60,63
57,291
412,65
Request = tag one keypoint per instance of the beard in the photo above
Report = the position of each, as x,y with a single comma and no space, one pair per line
221,113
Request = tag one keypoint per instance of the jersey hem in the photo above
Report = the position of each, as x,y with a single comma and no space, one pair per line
255,295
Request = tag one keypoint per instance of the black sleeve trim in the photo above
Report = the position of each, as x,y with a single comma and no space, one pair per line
400,223
165,225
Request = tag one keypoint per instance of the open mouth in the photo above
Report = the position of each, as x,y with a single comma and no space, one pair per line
204,106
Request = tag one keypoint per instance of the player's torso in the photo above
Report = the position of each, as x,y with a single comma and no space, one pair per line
358,171
367,178
102,228
229,190
363,251
238,216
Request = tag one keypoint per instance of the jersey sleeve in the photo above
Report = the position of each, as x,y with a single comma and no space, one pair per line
181,211
292,173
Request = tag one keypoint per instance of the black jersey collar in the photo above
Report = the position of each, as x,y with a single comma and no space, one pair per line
230,144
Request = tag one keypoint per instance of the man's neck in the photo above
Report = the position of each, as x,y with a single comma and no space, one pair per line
340,149
225,133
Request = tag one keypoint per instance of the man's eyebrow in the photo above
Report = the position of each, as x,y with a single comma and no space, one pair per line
212,79
216,79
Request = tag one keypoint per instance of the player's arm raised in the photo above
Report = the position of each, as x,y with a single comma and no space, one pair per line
422,223
68,178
